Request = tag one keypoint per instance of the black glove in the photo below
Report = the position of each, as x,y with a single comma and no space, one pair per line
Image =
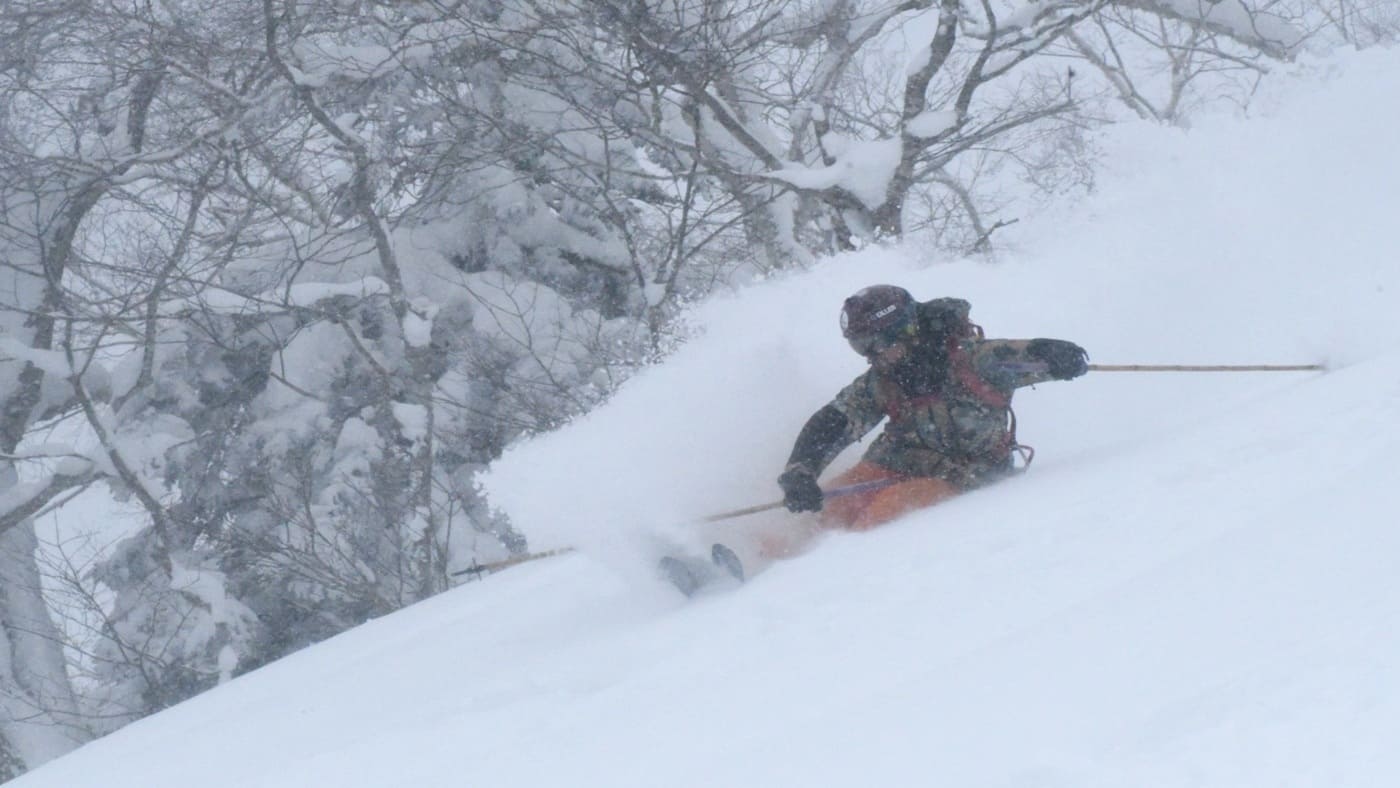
800,490
1065,359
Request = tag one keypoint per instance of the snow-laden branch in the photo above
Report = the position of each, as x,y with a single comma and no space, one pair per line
361,191
864,171
300,295
23,500
51,362
1269,33
845,37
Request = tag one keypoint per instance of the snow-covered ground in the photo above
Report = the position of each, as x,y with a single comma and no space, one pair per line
1195,584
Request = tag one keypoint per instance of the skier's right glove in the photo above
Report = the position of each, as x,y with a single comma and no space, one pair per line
800,490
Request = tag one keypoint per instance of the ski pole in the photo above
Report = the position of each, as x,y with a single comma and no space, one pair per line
850,489
1206,367
505,563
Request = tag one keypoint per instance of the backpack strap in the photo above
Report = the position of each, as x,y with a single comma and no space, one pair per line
960,364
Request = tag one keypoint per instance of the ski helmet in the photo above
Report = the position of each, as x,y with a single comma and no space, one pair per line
877,317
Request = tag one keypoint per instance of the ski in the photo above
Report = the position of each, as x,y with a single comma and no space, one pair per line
690,576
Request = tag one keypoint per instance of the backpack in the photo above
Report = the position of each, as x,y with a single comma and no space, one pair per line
950,316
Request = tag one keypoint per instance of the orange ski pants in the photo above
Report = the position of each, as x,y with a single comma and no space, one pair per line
858,511
865,510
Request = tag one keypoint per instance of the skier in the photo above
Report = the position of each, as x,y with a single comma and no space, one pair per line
946,391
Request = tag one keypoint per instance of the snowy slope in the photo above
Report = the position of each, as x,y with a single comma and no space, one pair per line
1194,585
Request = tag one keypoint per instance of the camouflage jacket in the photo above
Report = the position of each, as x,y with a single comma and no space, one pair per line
949,413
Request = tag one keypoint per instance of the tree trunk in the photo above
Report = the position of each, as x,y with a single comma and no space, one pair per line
38,715
37,709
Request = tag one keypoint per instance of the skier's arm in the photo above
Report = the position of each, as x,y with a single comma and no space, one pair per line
1013,363
822,438
830,430
852,413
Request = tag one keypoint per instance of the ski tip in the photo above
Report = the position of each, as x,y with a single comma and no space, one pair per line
679,574
726,559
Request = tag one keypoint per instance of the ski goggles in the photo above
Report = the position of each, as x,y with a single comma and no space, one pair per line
872,345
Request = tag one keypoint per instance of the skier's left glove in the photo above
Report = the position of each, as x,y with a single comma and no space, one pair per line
1065,360
800,490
